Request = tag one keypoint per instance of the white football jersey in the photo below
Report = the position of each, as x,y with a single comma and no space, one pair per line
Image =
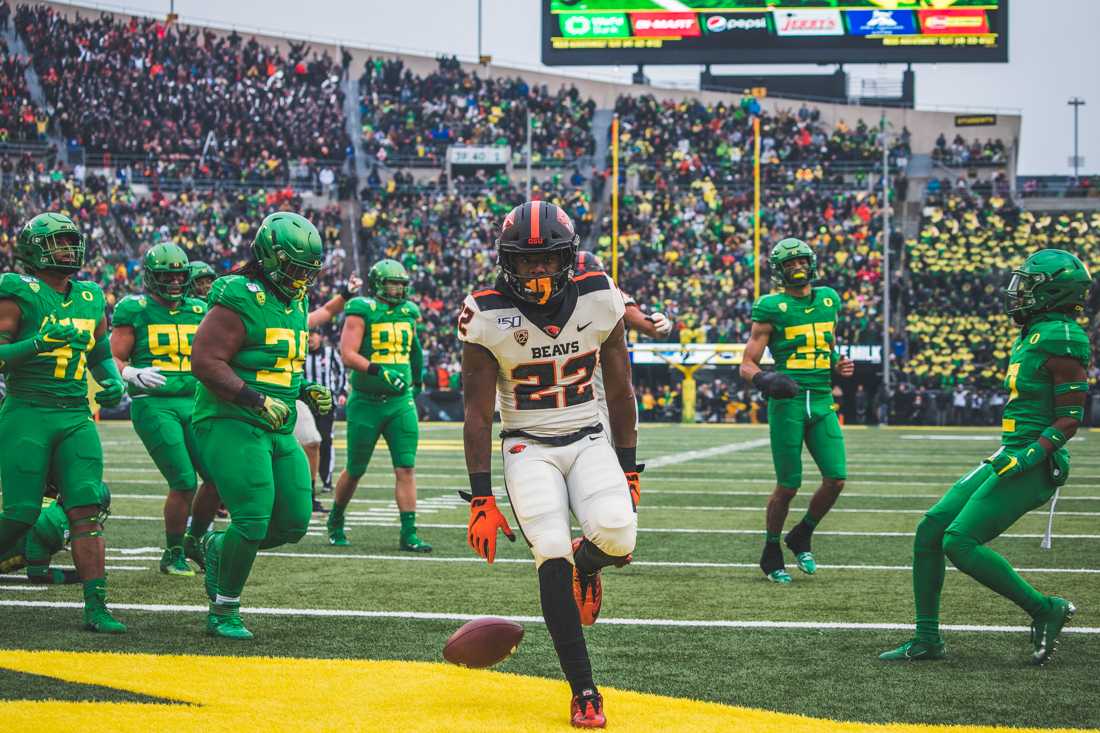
545,381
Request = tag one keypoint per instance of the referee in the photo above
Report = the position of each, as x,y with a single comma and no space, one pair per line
323,366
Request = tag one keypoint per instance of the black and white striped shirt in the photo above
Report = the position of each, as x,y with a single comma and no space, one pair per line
324,367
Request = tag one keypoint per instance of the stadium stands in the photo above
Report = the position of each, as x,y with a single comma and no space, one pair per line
20,119
134,89
689,253
670,141
973,153
958,265
411,120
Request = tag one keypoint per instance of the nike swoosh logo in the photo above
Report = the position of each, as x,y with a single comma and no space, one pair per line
581,328
810,310
593,437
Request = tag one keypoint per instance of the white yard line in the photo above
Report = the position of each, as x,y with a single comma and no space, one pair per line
692,455
449,616
381,512
644,563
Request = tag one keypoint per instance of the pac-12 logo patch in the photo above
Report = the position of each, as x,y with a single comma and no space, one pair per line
521,337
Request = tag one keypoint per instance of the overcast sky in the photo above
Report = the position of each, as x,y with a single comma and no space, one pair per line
1053,55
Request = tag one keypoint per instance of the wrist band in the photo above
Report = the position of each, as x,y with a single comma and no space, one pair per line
1072,411
628,458
249,397
1067,387
1056,437
481,484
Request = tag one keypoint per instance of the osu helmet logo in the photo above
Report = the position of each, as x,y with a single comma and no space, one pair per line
521,337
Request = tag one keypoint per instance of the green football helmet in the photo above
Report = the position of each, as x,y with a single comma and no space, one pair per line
787,250
289,251
201,277
388,281
50,241
1049,280
165,271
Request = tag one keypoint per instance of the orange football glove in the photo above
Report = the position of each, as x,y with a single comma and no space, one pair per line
481,531
634,482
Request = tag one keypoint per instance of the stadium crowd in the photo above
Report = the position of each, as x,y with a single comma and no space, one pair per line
201,104
669,141
969,153
957,267
21,120
412,119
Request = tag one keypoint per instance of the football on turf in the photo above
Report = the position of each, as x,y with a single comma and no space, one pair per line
483,642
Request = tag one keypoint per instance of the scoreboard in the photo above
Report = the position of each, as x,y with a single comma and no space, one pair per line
612,32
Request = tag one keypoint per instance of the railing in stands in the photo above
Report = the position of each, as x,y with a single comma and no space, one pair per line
182,172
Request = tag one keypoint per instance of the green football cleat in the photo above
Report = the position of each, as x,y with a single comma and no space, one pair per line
806,562
211,550
1046,629
192,550
99,619
336,536
412,543
780,576
225,621
915,650
172,562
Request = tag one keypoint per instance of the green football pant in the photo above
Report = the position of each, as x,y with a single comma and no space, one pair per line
43,441
43,541
978,508
164,426
394,418
811,419
263,479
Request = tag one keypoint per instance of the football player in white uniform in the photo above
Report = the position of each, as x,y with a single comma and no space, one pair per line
538,338
654,325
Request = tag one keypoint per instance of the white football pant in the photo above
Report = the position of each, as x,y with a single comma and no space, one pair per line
545,483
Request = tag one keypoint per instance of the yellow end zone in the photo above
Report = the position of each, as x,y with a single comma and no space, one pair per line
279,694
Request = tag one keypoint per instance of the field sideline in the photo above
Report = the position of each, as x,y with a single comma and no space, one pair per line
691,618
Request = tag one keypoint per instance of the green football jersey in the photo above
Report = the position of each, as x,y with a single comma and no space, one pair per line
270,360
1030,406
389,340
162,339
59,374
802,340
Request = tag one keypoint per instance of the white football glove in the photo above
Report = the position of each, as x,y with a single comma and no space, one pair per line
661,323
144,378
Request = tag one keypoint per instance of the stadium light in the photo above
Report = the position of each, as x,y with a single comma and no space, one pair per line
1077,103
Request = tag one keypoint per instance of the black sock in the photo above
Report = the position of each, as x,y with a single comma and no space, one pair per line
772,557
798,539
563,621
588,558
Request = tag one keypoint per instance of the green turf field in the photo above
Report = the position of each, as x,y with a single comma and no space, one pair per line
692,617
